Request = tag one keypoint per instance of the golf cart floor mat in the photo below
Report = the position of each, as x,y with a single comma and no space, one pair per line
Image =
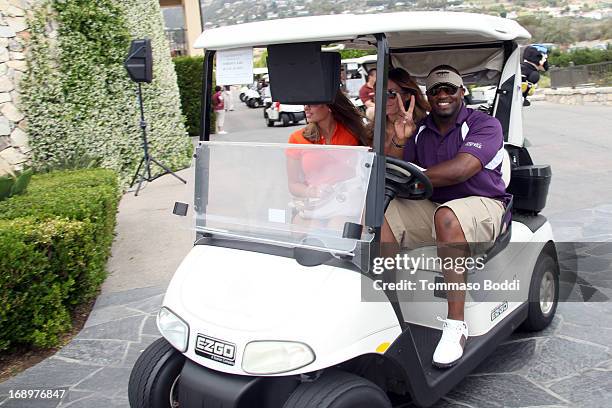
437,382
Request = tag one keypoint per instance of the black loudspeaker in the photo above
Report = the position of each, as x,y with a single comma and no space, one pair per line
139,63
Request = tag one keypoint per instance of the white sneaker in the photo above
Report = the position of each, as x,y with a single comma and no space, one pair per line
450,347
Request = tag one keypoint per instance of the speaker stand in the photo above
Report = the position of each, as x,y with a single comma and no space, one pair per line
143,172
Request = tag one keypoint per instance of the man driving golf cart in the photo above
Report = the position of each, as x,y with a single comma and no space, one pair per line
462,151
264,312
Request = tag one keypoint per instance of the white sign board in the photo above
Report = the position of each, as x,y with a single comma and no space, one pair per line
235,66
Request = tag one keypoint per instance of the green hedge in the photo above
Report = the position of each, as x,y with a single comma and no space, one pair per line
54,243
189,77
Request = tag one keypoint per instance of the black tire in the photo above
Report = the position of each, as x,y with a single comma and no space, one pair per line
285,119
338,389
154,374
270,123
249,103
242,97
256,103
546,268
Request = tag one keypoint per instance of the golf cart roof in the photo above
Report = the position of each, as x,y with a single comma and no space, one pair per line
405,29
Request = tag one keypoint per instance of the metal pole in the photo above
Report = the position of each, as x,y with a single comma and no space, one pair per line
376,191
205,113
143,126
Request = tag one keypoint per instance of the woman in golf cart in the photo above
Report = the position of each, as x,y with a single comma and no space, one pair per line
339,123
406,106
314,175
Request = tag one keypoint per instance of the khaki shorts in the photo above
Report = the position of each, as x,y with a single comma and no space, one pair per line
412,221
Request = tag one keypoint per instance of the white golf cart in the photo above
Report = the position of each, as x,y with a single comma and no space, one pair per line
356,73
277,303
252,94
284,113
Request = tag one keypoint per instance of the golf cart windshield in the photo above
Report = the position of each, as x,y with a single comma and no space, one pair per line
283,194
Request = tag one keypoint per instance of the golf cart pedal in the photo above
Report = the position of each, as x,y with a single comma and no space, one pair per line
180,208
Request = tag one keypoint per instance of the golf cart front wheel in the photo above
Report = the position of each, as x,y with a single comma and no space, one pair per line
338,389
543,293
154,378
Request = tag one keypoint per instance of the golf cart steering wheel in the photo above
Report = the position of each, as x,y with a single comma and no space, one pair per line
405,180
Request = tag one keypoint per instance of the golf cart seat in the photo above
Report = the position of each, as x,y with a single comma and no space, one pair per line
504,238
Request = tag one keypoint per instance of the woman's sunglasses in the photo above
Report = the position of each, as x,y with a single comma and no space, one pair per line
450,90
391,94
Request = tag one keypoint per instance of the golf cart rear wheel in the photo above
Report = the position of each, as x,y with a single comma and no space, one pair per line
154,378
270,123
338,389
543,293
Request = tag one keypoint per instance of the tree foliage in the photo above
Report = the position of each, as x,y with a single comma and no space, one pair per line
346,54
580,57
565,30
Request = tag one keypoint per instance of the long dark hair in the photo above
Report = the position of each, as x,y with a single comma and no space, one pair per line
345,112
401,77
405,81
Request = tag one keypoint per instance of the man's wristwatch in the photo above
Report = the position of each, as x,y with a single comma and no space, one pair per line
399,146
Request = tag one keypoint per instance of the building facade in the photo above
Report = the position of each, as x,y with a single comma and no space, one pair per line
182,39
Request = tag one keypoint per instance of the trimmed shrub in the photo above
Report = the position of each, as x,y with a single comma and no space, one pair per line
189,78
40,265
189,72
14,184
54,243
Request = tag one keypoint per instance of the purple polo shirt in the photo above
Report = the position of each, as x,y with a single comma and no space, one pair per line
475,133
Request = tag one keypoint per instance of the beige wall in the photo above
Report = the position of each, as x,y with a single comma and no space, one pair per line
193,22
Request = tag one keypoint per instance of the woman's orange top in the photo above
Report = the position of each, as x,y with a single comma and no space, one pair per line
323,167
341,136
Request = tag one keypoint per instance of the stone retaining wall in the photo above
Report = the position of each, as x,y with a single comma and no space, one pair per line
580,96
14,147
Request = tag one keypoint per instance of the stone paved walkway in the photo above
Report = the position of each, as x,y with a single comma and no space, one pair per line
567,365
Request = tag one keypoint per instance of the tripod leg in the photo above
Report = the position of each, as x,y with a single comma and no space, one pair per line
167,169
142,178
137,173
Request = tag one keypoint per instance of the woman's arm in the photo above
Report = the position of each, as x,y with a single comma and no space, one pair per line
297,186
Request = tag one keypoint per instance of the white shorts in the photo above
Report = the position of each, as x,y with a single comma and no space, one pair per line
220,118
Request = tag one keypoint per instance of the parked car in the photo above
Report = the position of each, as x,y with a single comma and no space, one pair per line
284,113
